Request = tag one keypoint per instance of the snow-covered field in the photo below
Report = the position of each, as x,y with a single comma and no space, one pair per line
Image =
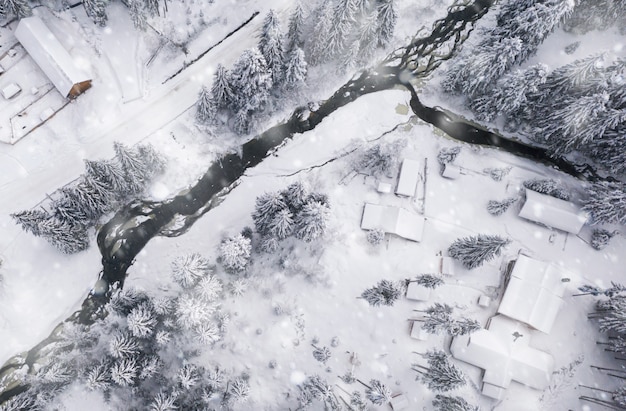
40,287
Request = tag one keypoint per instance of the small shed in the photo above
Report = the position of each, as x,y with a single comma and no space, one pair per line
451,171
553,212
11,90
534,293
50,55
409,177
393,220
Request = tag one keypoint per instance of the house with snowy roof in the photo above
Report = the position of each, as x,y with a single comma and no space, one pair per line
393,220
50,55
408,178
502,350
534,293
552,212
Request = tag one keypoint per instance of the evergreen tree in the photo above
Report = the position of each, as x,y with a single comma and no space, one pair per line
241,122
209,288
375,237
369,37
137,12
187,270
316,388
429,281
548,186
381,159
164,402
296,195
192,311
250,81
497,174
497,208
98,378
221,90
473,251
449,403
377,393
271,46
67,238
239,390
447,155
152,7
282,224
341,27
30,220
123,345
266,207
317,52
134,167
235,253
387,18
606,202
510,93
438,319
95,9
206,107
600,238
141,321
384,293
153,160
17,8
321,354
441,375
124,372
295,35
311,221
295,69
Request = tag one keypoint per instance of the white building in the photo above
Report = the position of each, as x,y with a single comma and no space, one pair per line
50,55
534,293
552,212
503,352
393,220
409,177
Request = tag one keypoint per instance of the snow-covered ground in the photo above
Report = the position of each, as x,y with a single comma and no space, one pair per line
42,287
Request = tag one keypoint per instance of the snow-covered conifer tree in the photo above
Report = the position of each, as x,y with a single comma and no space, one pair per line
311,221
95,9
141,321
606,202
295,31
137,12
164,402
316,388
152,7
123,345
384,293
133,166
441,375
375,237
271,46
188,269
295,69
239,390
341,27
296,195
387,18
192,311
497,208
510,93
209,288
381,159
473,251
30,220
124,372
206,107
600,238
207,333
449,403
67,238
235,253
242,121
547,186
221,89
317,45
437,318
266,207
321,354
377,393
282,224
447,155
251,81
429,280
17,8
97,377
497,174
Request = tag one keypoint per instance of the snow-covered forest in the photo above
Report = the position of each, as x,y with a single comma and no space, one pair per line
325,205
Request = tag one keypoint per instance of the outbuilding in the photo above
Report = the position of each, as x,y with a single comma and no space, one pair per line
393,220
552,212
50,55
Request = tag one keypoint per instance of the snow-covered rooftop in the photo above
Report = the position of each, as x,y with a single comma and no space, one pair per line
50,55
393,220
409,177
553,212
534,293
503,352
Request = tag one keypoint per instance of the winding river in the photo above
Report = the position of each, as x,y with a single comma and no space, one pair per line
132,227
